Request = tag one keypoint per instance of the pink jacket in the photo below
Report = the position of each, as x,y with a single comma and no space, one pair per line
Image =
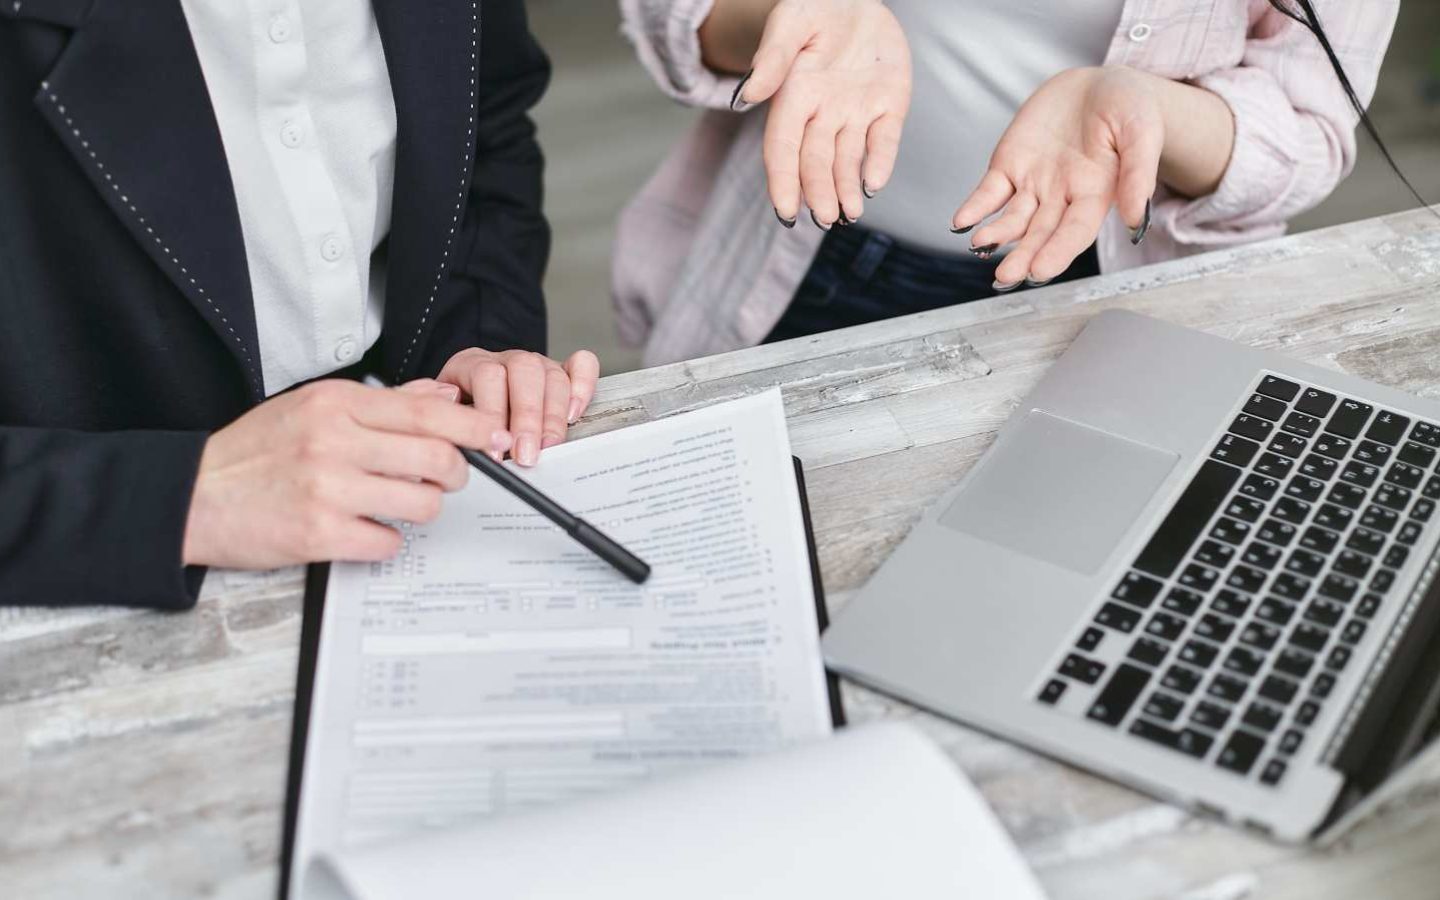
701,266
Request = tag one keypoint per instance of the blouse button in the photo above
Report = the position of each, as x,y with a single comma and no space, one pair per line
331,248
292,135
280,29
1140,33
345,349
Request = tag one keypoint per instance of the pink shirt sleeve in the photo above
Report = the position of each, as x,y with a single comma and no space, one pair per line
666,38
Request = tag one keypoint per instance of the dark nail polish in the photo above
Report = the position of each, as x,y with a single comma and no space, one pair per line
966,230
818,224
865,189
735,97
788,223
985,251
1138,234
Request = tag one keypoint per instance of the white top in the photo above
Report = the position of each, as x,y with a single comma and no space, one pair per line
975,63
308,122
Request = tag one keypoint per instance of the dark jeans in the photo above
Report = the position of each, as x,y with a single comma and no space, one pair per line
861,276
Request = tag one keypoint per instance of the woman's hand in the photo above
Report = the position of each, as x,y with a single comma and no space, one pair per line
1087,140
837,75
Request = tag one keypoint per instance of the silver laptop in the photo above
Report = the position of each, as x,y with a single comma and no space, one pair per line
1196,568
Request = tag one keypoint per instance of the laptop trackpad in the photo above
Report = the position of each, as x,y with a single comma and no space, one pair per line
1059,491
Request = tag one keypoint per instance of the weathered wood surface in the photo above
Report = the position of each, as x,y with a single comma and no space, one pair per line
143,755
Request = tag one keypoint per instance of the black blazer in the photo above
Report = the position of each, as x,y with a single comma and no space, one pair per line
127,330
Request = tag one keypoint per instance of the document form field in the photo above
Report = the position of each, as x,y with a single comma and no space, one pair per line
495,641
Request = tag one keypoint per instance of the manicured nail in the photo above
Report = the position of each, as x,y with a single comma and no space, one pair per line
527,450
573,415
844,219
550,440
966,230
736,103
788,223
985,251
818,223
499,443
1002,288
1138,234
865,189
448,391
1030,282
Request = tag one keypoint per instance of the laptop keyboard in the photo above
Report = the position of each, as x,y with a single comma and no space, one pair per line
1245,606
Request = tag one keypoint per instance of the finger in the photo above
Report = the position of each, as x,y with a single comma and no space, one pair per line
1140,149
786,33
995,191
583,367
430,416
380,497
407,456
527,399
557,401
355,539
1077,231
490,396
882,145
849,158
780,149
423,386
817,172
1017,262
1010,227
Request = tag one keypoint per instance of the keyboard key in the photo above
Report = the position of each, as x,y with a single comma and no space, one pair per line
1310,637
1426,434
1120,618
1265,407
1294,663
1336,518
1368,606
1350,416
1240,752
1384,579
1395,557
1187,518
1272,773
1287,445
1317,466
1332,446
1392,496
1214,553
1423,510
1301,424
1243,661
1315,402
1182,602
1165,626
1405,475
1209,715
1409,533
1149,651
1181,679
1245,508
1052,691
1081,669
1261,717
1353,632
1359,473
1347,495
1137,590
1214,628
1187,740
1388,427
1227,688
1229,603
1339,587
1278,388
1252,427
1356,565
1365,541
1320,540
1416,455
1119,694
1373,453
1380,519
1090,639
1305,562
1262,556
1244,578
1431,491
1339,657
1290,586
1303,488
1235,450
1325,612
1273,465
1259,487
1276,532
1199,653
1231,531
1274,611
1290,742
1281,690
1258,634
1323,684
1306,713
1163,706
1288,509
1200,578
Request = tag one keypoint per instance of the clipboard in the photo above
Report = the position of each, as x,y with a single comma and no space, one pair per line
317,578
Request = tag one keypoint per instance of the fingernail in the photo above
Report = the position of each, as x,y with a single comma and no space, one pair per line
1030,282
844,219
527,451
449,392
865,189
788,223
499,443
1002,288
549,441
736,103
985,251
966,230
1138,234
817,222
573,415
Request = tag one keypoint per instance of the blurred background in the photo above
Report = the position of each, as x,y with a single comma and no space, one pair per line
605,127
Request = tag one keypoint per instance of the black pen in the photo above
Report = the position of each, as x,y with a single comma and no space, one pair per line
587,535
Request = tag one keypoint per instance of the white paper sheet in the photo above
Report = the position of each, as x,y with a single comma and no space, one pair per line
496,666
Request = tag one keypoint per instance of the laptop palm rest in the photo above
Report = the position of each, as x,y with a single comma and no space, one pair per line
1059,491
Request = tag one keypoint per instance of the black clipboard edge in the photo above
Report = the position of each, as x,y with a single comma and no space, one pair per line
317,578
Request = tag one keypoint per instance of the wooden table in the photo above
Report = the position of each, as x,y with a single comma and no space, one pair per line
143,755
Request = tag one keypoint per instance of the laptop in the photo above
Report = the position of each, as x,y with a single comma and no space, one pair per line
1203,570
